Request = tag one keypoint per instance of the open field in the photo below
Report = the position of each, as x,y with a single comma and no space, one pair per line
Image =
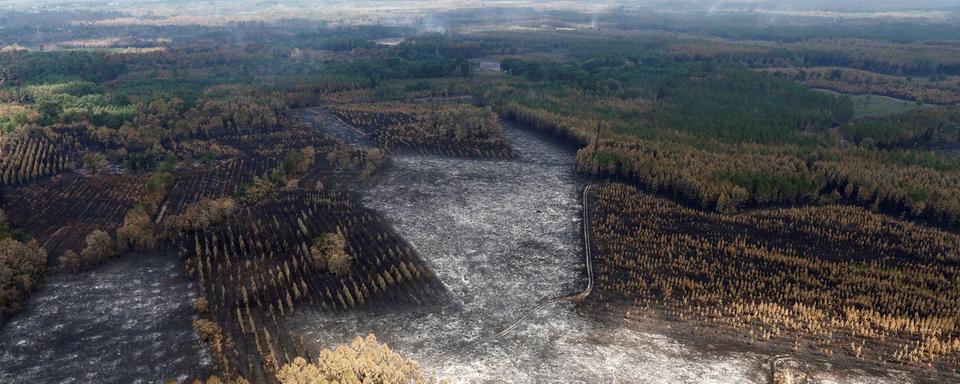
876,105
936,91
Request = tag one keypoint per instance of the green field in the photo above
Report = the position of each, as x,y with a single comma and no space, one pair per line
875,105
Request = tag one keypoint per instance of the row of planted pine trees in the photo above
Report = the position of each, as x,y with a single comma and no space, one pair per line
831,278
268,261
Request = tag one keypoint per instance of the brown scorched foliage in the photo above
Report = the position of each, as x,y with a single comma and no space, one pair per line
823,277
453,129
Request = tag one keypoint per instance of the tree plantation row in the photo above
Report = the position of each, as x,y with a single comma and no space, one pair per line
290,250
832,279
803,148
452,129
233,175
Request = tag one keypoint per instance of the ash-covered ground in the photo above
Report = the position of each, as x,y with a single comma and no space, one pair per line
126,322
322,118
504,236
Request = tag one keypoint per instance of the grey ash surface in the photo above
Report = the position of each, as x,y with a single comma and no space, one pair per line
503,236
129,321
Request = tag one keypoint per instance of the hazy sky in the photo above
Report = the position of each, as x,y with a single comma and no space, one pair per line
796,4
333,10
